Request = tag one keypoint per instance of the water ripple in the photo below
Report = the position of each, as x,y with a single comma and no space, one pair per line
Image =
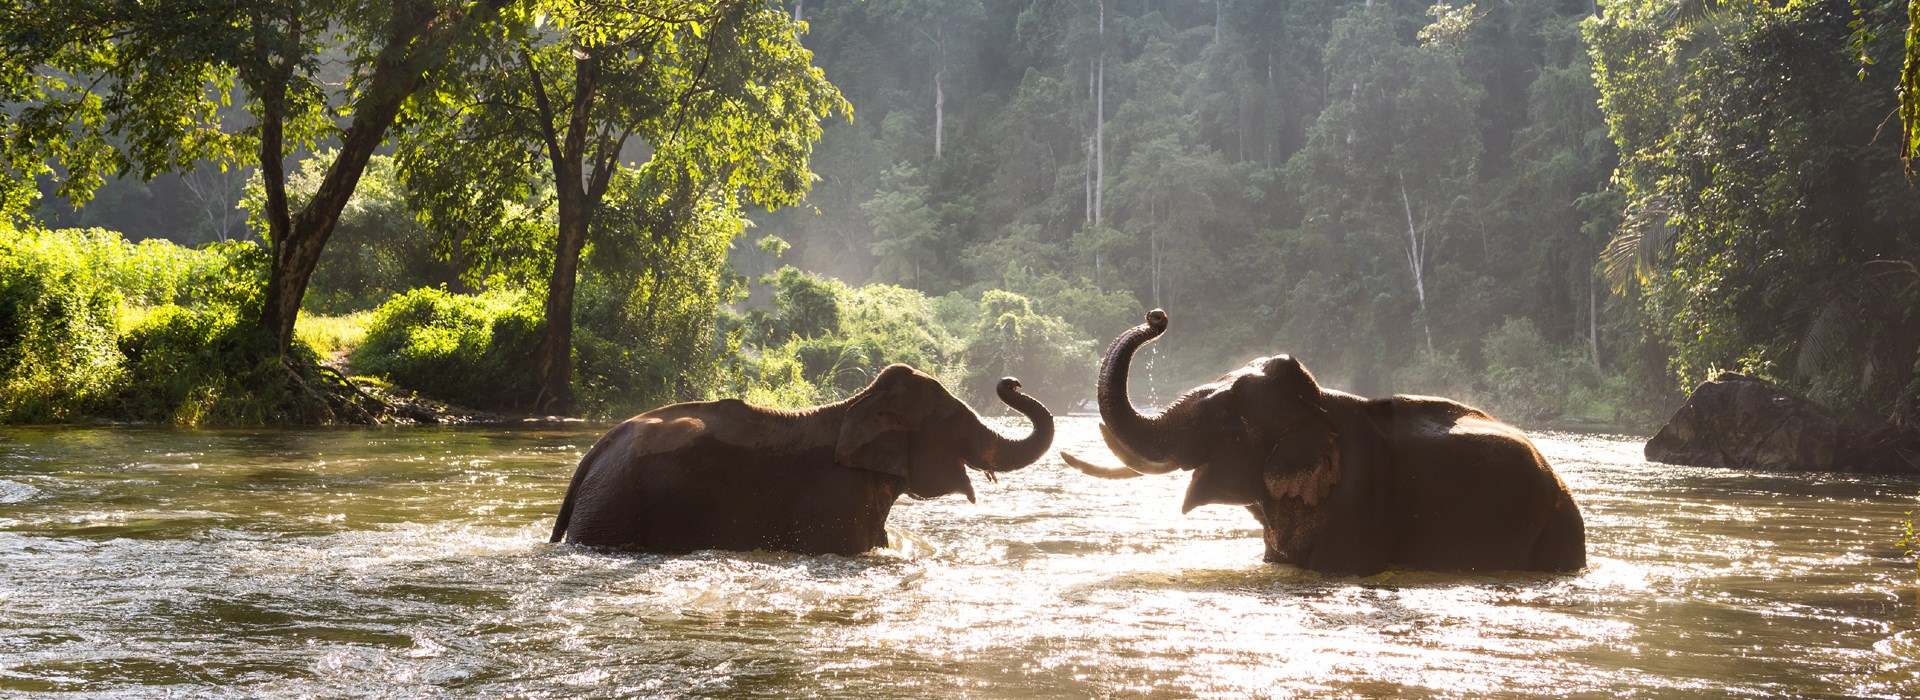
402,563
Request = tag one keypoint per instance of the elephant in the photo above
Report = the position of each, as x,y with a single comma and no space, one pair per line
730,475
1342,484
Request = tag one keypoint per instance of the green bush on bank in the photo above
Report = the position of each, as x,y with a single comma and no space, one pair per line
212,366
837,336
470,349
1526,379
58,322
80,314
1053,361
775,378
825,339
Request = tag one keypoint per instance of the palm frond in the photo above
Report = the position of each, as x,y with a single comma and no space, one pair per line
1825,340
1629,259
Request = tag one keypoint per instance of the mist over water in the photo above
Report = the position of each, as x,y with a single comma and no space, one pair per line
409,562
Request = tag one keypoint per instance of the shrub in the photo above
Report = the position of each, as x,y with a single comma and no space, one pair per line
805,305
898,324
650,293
213,366
65,297
772,377
1436,374
91,325
1053,361
58,318
1093,312
837,337
1607,400
469,349
839,364
1527,378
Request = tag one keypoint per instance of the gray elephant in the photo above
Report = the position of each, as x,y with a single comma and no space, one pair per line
731,475
1344,484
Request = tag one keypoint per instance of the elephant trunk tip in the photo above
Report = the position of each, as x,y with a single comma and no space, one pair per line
1007,387
1157,320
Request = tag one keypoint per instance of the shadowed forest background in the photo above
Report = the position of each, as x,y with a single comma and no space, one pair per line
1560,211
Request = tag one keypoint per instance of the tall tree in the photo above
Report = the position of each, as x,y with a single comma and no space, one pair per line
718,91
1392,157
942,27
122,86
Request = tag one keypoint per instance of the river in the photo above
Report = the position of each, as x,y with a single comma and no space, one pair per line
413,562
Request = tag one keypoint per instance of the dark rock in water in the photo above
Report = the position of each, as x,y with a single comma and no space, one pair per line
1741,422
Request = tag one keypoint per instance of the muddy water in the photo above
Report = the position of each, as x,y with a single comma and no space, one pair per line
405,563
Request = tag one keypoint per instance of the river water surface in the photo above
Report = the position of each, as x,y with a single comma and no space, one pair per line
414,562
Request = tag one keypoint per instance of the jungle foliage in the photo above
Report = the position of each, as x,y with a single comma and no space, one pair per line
1376,188
1410,197
719,94
840,336
1557,209
1768,227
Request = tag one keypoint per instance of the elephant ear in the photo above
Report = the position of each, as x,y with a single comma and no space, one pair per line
1304,463
873,436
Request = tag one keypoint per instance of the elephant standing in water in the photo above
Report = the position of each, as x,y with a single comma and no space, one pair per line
730,475
1343,484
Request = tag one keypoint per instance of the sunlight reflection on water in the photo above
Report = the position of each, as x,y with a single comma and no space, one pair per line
400,563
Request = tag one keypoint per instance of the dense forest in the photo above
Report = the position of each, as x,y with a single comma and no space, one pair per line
1563,211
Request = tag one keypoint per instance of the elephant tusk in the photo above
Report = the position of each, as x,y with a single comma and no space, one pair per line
1099,471
1132,459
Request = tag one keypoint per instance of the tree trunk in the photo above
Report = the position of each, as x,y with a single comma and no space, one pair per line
1593,320
1100,122
577,197
939,93
1279,118
297,254
1416,262
1153,253
213,195
1153,244
939,112
553,359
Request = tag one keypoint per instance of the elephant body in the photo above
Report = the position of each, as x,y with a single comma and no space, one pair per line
730,475
1344,484
1450,488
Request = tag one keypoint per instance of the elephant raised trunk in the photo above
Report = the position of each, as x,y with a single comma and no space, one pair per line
1144,443
1002,454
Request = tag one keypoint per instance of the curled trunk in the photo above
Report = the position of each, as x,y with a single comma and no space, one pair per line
1144,443
1002,454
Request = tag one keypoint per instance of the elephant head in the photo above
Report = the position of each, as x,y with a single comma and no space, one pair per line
906,424
1264,431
